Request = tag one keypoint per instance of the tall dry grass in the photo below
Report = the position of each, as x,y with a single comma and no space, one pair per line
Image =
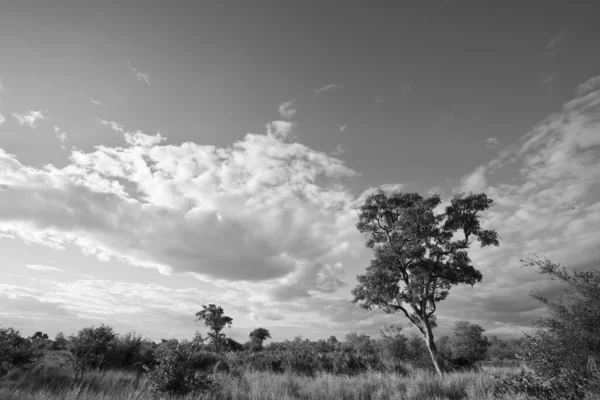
56,384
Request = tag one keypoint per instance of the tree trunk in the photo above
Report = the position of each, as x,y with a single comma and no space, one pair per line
432,350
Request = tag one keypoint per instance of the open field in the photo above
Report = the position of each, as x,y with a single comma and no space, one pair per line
48,383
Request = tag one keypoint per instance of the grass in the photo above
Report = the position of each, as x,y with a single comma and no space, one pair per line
51,383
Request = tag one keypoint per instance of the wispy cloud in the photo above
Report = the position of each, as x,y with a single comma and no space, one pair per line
38,267
1,86
2,119
327,88
554,45
551,210
140,76
96,102
30,119
286,109
343,128
551,52
62,136
115,126
339,150
491,142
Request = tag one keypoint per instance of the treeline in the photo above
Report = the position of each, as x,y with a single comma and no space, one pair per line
173,364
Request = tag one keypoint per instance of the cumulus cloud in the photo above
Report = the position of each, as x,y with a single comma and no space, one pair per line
140,76
286,109
95,102
323,90
39,267
30,119
138,138
491,142
263,209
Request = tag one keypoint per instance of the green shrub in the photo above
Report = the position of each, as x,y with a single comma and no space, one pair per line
175,374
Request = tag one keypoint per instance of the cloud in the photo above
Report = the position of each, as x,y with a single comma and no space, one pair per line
551,52
286,110
323,90
95,102
140,76
138,138
62,136
263,210
339,150
2,119
37,267
1,86
30,119
551,208
554,45
115,126
491,142
343,128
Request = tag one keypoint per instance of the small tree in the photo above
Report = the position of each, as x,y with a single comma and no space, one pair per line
468,345
258,336
214,318
88,349
417,257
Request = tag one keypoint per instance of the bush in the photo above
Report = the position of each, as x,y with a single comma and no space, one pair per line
175,374
15,351
563,350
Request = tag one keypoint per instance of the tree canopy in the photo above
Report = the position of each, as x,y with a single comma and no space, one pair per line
418,255
215,319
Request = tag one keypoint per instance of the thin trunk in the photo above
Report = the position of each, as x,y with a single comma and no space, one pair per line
432,350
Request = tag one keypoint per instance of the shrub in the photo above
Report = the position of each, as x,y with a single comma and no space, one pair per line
563,350
15,351
175,374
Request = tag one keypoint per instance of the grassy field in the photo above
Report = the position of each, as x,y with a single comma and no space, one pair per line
53,383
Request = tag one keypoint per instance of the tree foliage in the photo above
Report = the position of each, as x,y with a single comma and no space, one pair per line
88,349
417,255
15,350
215,319
564,349
468,345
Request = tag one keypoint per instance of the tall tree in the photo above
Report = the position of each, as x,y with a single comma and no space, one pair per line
417,256
215,319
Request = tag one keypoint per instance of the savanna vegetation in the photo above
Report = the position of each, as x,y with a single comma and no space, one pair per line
419,254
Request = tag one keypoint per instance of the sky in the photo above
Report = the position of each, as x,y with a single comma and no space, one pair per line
159,156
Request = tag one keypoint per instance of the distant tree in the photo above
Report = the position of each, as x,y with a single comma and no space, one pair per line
258,336
89,348
564,349
232,345
215,319
15,350
393,342
360,343
39,335
59,342
467,344
417,257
